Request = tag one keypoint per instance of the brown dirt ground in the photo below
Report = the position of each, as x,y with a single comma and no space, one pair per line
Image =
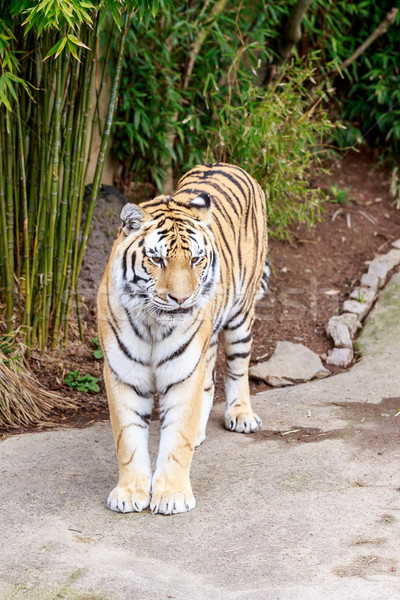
311,277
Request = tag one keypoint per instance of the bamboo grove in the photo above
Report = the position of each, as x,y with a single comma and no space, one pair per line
52,77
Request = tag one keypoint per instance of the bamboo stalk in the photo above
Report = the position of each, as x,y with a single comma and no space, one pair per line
53,198
9,199
86,81
66,208
25,276
8,273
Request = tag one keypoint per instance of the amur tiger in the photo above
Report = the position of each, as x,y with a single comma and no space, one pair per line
183,268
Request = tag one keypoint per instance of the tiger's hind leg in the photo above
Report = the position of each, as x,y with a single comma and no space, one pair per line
239,415
264,279
208,392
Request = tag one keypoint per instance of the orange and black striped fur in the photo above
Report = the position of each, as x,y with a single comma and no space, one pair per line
182,269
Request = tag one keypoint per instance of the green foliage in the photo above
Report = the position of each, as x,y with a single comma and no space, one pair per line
368,93
171,117
277,135
98,352
10,350
338,195
82,383
163,118
168,114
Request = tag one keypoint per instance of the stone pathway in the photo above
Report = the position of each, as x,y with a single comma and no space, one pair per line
306,509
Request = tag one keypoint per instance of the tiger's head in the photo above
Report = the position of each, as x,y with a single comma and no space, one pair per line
166,258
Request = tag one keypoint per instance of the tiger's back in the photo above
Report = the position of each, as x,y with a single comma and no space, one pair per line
182,269
239,226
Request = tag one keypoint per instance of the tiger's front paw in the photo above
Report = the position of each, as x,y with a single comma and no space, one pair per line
169,501
242,422
128,499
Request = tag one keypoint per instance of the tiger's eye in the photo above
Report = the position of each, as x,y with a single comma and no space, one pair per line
157,260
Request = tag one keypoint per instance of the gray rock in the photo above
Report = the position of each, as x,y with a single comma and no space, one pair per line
340,357
340,334
289,364
349,319
392,258
363,295
379,268
396,244
358,308
370,281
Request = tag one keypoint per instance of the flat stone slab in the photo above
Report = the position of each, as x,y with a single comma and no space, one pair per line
289,364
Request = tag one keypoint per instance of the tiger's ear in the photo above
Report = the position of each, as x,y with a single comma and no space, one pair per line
202,207
132,217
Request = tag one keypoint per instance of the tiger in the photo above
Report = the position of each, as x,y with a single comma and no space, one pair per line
183,269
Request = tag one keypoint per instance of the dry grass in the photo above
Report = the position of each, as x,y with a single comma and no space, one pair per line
23,401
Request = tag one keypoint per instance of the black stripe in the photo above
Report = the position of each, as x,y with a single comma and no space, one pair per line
235,376
238,355
164,412
138,392
232,327
167,333
221,231
217,325
145,417
124,258
180,350
242,341
237,313
134,327
166,390
124,349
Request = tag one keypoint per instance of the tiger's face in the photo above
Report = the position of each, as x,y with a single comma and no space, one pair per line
170,264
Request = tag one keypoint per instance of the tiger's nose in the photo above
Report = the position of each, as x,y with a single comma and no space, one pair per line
178,300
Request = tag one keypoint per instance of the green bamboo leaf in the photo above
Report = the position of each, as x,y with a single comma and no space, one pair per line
116,15
4,100
73,51
10,87
77,41
56,49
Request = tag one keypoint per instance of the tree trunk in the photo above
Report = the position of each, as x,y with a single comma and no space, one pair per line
292,32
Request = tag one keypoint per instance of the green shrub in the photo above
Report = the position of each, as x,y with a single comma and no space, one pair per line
277,134
163,120
169,118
